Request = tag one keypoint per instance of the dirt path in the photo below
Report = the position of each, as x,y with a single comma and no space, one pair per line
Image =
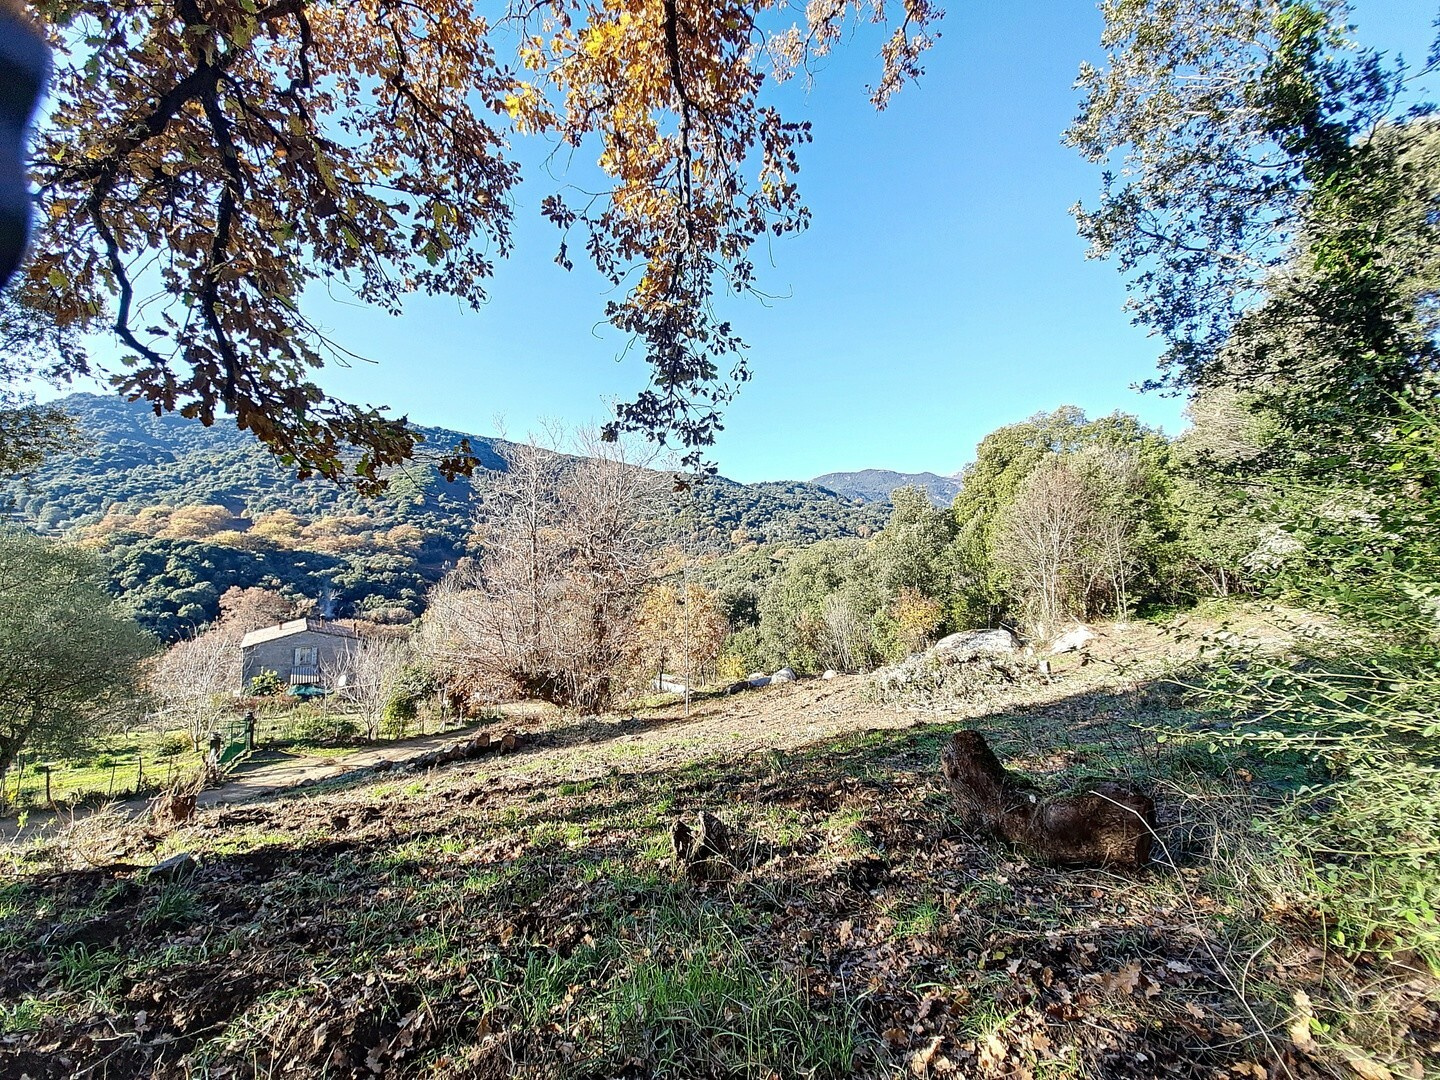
265,774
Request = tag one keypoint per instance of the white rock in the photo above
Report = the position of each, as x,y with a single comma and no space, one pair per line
830,673
969,644
785,674
1072,639
758,679
668,684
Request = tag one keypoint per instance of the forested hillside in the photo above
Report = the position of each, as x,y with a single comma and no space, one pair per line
181,512
876,485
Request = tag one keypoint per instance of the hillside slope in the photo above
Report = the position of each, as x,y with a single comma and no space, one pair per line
522,918
244,519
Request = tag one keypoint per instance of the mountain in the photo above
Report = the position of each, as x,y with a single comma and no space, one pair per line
875,485
181,512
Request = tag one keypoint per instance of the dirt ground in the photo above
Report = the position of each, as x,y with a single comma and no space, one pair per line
519,915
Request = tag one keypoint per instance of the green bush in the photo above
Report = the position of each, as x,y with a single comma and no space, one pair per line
1357,696
266,684
744,652
309,724
172,744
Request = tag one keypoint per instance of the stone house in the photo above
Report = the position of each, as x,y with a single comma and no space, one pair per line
303,652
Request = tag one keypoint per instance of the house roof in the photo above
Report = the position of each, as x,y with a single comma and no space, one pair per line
296,626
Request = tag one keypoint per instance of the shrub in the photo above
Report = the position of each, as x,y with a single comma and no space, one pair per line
1361,848
266,684
172,744
311,725
744,651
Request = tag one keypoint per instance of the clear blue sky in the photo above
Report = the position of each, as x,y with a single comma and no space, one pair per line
940,293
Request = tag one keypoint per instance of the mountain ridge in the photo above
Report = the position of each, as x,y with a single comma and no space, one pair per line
180,512
877,485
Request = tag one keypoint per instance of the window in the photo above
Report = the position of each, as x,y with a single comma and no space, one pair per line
306,656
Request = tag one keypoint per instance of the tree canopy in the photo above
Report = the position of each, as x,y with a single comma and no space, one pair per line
1257,145
205,161
71,658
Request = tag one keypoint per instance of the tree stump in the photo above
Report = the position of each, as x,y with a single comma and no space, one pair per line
172,809
703,851
1102,824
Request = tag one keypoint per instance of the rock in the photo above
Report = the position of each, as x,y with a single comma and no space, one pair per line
1102,824
830,673
785,674
758,679
174,868
668,684
702,851
969,644
737,687
1072,639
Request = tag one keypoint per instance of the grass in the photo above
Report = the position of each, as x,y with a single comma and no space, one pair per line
538,927
111,768
173,905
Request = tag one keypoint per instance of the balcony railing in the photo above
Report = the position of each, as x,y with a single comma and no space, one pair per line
306,676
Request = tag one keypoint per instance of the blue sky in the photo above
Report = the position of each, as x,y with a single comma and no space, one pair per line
940,293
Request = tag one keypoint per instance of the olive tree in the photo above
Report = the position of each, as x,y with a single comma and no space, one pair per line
72,660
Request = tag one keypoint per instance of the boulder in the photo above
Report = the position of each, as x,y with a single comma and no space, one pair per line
830,673
1076,637
785,674
668,684
702,850
174,868
1100,824
758,679
968,644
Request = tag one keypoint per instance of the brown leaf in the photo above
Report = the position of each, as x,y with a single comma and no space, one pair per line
1124,981
921,1060
1299,1026
1367,1068
897,1037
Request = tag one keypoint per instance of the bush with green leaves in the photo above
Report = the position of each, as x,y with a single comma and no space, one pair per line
1357,694
314,725
266,684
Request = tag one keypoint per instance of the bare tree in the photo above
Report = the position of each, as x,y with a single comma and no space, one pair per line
1114,479
547,611
844,639
1042,543
1069,540
192,680
366,674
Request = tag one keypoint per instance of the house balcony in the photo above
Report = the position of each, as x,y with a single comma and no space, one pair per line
306,676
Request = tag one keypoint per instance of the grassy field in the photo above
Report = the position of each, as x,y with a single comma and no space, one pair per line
113,768
147,760
521,916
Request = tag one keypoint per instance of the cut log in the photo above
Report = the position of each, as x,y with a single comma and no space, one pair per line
1102,824
702,851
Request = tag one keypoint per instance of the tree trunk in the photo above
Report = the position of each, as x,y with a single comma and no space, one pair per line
1104,824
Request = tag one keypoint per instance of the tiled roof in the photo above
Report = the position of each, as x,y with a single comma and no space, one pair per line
296,626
